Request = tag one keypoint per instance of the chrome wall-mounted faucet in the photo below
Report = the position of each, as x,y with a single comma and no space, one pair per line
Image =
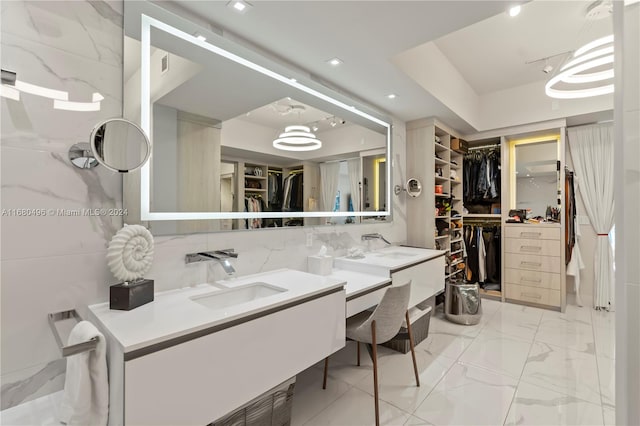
374,236
222,256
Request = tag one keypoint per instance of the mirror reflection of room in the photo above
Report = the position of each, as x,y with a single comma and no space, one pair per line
209,114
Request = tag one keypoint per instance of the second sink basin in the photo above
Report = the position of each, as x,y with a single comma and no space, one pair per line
394,254
235,296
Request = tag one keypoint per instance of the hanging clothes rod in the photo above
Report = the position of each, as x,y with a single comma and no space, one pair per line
474,148
89,345
293,172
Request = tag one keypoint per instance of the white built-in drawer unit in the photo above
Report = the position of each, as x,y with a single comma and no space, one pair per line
527,246
533,264
533,278
539,296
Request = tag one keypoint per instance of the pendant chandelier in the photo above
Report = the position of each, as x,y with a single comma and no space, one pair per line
588,73
297,138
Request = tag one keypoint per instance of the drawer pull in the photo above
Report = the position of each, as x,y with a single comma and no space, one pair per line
530,280
532,264
530,234
531,295
530,248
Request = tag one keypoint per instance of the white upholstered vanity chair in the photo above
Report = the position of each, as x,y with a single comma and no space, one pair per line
379,327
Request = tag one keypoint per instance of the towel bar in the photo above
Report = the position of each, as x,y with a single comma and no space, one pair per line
89,345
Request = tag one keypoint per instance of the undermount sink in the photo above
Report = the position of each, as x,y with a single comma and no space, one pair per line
394,255
236,296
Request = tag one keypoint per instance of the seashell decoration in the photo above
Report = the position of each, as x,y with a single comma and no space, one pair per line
130,253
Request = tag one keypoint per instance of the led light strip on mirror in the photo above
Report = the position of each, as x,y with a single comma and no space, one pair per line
147,23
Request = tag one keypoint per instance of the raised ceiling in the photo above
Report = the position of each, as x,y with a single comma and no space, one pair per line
486,46
492,55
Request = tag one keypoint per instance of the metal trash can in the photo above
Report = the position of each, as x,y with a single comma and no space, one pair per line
462,303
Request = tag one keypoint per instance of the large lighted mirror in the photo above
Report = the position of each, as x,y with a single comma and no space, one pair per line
535,177
240,139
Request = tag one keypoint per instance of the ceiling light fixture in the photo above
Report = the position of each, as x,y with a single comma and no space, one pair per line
392,96
515,11
240,6
297,138
334,62
574,72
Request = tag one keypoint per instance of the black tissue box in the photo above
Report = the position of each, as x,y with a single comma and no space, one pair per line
135,293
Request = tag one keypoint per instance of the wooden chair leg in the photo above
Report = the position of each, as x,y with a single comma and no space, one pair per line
358,347
413,352
326,368
375,370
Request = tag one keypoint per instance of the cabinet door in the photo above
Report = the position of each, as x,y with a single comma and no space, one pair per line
427,279
199,381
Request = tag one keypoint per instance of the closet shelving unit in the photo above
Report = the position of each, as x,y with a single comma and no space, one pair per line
431,160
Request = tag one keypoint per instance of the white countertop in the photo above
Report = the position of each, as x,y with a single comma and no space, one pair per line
172,313
359,282
388,259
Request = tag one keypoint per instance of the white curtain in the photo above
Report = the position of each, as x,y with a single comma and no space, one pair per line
592,153
329,177
355,175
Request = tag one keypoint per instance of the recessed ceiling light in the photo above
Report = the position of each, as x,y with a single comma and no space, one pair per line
334,61
392,96
239,5
201,38
515,10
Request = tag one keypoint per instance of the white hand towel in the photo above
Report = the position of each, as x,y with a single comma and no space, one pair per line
86,388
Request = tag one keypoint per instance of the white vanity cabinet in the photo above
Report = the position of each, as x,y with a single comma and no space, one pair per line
199,376
427,279
425,268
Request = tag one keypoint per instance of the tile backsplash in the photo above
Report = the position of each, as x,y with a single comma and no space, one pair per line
56,262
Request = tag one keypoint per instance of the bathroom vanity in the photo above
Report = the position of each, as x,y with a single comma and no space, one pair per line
187,357
424,267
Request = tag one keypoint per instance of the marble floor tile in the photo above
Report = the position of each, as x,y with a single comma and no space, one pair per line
343,364
415,421
607,375
563,370
356,408
518,321
605,342
572,335
534,405
396,379
497,352
572,313
439,324
469,396
445,344
310,399
490,307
